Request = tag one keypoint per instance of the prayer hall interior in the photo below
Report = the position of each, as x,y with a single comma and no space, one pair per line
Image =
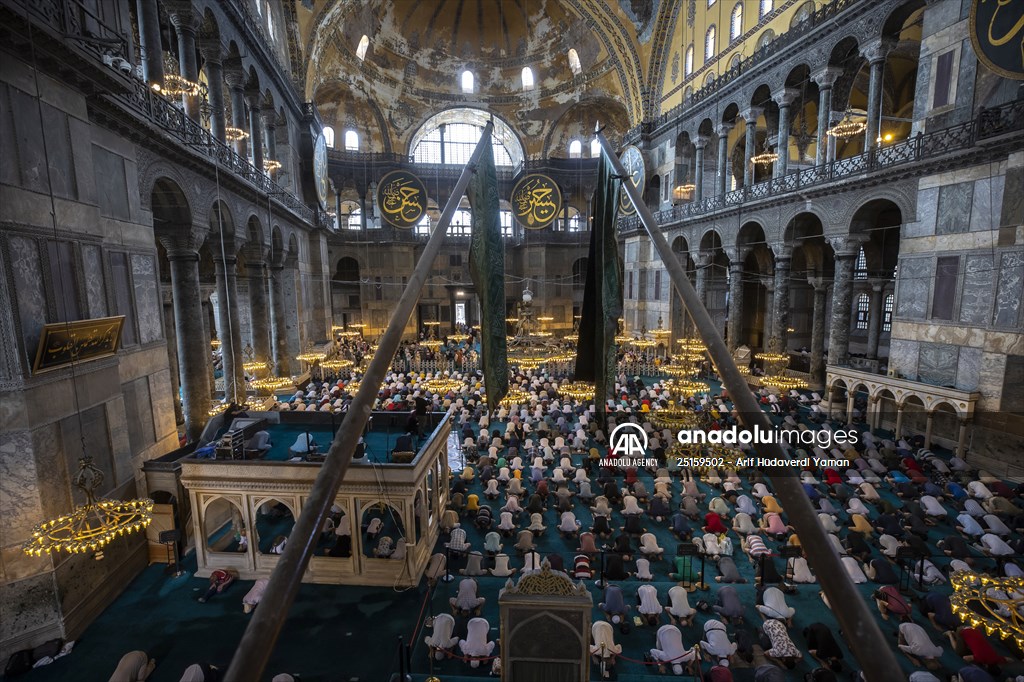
552,340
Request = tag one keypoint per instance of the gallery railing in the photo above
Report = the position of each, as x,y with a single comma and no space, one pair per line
989,123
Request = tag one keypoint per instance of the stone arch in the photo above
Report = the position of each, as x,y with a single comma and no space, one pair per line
277,251
579,119
169,203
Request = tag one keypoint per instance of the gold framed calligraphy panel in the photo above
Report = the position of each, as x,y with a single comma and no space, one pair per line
63,343
633,161
402,198
536,201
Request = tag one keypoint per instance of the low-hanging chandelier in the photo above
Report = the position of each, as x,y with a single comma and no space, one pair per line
271,165
92,525
847,127
766,157
577,390
233,134
983,601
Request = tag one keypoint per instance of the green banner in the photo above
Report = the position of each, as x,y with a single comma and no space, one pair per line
487,268
602,297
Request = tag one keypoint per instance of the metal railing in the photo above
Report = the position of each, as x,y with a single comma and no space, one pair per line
163,113
75,20
990,123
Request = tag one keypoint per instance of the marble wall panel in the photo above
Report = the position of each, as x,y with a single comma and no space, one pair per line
927,208
95,290
51,472
937,363
1011,211
19,488
28,291
968,371
976,294
27,605
903,356
954,211
147,298
988,197
915,276
1010,289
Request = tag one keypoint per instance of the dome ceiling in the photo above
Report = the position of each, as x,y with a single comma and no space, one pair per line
418,49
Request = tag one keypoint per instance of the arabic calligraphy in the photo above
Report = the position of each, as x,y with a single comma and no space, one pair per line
997,35
320,170
536,201
633,163
402,199
63,343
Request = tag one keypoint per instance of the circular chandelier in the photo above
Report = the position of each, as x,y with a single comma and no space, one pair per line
271,165
358,326
578,390
973,602
214,343
431,343
515,397
621,339
176,85
442,385
640,342
684,192
771,357
847,128
765,158
676,369
349,334
783,382
253,366
232,134
311,356
686,387
271,384
335,364
673,418
90,526
691,343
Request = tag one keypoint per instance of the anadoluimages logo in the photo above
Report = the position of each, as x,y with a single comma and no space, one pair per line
628,440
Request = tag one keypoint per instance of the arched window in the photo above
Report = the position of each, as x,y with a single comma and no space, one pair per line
270,23
595,148
736,22
863,310
860,269
355,220
527,78
802,14
462,223
575,149
688,62
574,62
887,313
450,137
765,6
467,81
711,3
364,43
351,141
576,223
506,223
329,136
423,226
709,44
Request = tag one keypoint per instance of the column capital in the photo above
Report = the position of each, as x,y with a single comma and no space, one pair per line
701,141
737,256
751,115
254,98
183,246
225,260
786,96
722,129
877,50
820,284
847,246
878,285
210,48
826,77
182,15
783,256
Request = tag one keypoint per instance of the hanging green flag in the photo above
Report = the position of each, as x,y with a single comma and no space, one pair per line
602,297
487,268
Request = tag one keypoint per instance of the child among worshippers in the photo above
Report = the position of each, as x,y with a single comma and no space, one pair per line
220,579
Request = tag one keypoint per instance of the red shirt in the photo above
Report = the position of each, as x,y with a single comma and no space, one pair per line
982,651
713,523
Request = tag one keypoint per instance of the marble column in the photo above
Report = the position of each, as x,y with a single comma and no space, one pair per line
875,53
875,320
231,333
278,323
818,334
735,302
185,24
842,304
252,98
703,267
698,170
750,116
780,312
785,100
215,84
769,310
150,49
270,123
235,78
172,360
851,405
929,423
825,79
961,440
874,412
898,429
257,272
722,172
193,343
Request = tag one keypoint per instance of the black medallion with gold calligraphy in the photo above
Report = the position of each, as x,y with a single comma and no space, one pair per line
633,161
997,35
536,201
402,198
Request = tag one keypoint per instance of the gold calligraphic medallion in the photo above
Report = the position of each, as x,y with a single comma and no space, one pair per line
997,35
536,201
402,198
633,161
320,178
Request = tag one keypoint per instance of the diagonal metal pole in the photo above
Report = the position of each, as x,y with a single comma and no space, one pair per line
872,650
258,641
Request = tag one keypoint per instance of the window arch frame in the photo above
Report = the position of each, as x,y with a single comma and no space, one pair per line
508,149
736,22
467,82
351,134
710,43
362,47
575,148
575,65
595,148
328,133
688,62
527,78
764,8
